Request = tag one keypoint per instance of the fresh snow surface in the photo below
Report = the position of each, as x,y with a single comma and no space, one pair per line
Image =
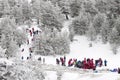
80,49
50,75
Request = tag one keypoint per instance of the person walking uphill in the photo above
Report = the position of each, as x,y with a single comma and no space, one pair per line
30,32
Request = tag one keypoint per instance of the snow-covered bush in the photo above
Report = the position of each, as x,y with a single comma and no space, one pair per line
10,37
21,71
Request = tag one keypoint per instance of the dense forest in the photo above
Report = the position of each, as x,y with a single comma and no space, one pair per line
92,18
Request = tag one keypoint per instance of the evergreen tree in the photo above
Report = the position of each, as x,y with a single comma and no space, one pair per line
75,8
91,33
80,25
114,40
105,31
98,22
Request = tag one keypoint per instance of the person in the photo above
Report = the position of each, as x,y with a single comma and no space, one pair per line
43,60
118,70
27,58
37,32
70,62
39,59
74,62
30,33
64,60
84,63
22,49
105,62
34,33
22,57
101,62
27,41
30,49
96,62
57,61
91,64
32,29
32,39
78,64
30,55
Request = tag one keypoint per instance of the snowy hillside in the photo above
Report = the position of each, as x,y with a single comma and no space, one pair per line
80,49
59,39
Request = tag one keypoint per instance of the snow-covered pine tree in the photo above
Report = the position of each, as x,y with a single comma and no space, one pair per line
98,22
114,40
80,24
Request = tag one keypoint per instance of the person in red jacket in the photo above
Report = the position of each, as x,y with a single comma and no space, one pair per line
70,62
91,64
84,63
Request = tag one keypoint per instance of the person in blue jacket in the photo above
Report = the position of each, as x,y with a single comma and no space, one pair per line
105,62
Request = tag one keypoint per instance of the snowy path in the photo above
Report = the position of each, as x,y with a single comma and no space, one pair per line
66,71
50,67
26,46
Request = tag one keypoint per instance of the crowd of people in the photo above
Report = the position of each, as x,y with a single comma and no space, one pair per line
87,63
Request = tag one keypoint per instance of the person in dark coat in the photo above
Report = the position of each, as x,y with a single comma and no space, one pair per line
57,61
22,57
78,64
30,55
118,70
100,62
22,49
27,58
96,62
37,32
64,60
39,59
105,62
